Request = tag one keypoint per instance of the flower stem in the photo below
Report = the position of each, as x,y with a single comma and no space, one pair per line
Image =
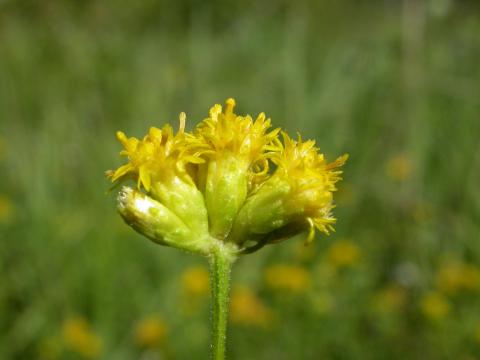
220,265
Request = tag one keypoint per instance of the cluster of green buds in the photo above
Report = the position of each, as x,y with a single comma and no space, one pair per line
233,183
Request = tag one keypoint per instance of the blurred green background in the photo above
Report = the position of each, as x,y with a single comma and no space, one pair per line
396,84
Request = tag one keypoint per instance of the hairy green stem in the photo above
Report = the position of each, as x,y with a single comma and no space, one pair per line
220,265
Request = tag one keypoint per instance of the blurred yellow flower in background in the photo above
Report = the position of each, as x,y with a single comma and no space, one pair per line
6,209
79,338
196,281
343,253
390,299
399,168
455,276
150,331
434,305
285,277
247,309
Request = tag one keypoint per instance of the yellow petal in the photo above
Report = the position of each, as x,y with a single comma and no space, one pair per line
144,178
122,170
155,134
193,160
121,137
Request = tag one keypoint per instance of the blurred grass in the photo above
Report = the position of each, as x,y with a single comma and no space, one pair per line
395,84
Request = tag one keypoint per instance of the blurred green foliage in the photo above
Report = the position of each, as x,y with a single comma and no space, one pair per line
393,83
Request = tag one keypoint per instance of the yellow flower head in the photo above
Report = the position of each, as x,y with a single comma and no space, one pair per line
195,281
455,276
296,198
159,154
150,332
311,177
225,132
236,149
78,337
247,309
290,278
435,306
343,253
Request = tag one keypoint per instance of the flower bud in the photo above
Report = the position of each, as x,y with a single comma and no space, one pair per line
158,223
295,199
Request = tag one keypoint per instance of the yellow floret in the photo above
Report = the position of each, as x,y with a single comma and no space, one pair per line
312,179
159,154
226,132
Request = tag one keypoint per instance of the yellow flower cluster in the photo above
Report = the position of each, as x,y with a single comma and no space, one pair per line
159,155
434,305
232,180
455,276
195,282
150,332
343,253
79,338
247,309
226,133
289,278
